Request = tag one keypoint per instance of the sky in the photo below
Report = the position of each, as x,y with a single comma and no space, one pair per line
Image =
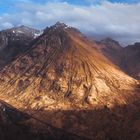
118,19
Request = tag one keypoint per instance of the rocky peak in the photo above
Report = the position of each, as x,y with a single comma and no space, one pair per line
31,32
60,25
57,28
61,29
20,32
14,41
16,35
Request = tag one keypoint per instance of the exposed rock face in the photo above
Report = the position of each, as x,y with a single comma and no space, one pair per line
63,78
14,41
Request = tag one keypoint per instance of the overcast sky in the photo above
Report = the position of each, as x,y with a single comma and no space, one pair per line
119,19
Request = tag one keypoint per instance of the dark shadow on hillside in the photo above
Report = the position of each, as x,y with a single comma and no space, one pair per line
119,123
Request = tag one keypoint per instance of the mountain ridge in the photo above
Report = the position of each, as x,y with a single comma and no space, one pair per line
127,58
14,42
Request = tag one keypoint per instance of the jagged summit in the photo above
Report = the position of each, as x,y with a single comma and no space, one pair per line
22,29
14,41
61,27
60,24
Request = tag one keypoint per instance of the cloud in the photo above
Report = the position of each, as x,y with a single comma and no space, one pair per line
118,20
6,25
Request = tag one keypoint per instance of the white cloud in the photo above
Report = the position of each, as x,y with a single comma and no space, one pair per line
120,21
6,25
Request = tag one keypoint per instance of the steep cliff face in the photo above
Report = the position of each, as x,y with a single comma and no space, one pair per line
14,41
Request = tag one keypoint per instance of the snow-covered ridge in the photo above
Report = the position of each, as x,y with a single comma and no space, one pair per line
24,30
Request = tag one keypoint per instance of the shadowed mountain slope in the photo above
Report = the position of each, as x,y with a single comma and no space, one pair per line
113,51
132,60
127,58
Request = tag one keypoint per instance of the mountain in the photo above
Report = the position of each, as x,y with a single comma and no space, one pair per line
14,41
132,60
63,80
127,58
62,56
112,50
112,44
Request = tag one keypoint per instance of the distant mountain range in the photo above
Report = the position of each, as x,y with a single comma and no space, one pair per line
127,58
62,80
14,41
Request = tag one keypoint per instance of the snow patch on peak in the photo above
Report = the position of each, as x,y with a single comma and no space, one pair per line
38,34
19,31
